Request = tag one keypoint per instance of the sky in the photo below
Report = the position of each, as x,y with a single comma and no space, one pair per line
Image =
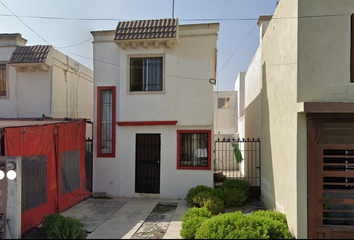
67,25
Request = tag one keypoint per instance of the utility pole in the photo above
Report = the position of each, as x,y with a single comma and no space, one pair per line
173,9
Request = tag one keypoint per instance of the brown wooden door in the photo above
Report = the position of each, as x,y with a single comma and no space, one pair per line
331,178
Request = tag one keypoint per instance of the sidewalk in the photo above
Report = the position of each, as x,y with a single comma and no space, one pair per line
120,218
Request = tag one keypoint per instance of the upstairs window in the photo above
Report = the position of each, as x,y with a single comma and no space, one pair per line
223,102
3,80
146,74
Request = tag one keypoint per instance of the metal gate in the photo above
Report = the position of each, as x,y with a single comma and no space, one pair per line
227,167
147,165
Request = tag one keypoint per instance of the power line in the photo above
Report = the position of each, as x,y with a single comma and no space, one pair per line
181,20
237,48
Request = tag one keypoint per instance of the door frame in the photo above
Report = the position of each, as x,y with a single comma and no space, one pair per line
314,178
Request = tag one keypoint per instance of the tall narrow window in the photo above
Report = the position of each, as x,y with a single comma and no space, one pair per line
194,149
2,80
106,131
146,74
352,49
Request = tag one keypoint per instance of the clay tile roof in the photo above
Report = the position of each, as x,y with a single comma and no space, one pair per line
146,29
30,54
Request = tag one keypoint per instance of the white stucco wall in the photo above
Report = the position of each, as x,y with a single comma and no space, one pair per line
8,104
30,91
184,99
225,119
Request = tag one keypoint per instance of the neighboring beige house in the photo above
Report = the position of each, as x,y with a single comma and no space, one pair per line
225,114
154,108
37,80
299,99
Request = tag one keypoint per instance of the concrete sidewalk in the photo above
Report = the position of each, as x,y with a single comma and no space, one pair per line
120,218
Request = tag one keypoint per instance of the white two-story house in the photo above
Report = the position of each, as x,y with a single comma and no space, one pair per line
153,104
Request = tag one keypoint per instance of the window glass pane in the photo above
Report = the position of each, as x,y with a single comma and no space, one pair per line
3,80
106,124
223,102
194,149
146,74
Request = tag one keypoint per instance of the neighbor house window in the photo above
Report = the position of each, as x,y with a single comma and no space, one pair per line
3,80
146,74
106,115
223,102
194,149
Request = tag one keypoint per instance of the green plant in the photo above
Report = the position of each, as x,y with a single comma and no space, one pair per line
238,226
56,226
275,215
237,184
190,227
194,191
327,207
50,221
232,197
208,201
196,212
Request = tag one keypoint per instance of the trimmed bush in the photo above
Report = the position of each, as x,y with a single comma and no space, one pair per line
232,197
194,191
238,226
190,227
196,212
237,184
208,201
275,215
56,226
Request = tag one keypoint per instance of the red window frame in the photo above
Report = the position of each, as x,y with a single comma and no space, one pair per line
113,154
179,149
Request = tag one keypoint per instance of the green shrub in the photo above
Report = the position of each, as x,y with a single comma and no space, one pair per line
56,226
275,215
208,201
195,212
238,226
214,204
194,191
232,197
49,221
238,184
190,227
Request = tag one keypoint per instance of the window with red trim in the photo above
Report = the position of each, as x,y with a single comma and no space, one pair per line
194,149
106,118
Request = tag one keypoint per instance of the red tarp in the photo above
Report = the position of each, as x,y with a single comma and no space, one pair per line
51,140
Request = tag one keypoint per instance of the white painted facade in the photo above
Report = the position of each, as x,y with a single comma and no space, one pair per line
187,98
61,87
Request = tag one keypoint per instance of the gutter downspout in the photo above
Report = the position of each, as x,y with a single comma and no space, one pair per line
52,91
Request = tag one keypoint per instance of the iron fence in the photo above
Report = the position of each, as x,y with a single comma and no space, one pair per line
226,165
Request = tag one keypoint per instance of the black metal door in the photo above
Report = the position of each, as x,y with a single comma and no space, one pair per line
147,164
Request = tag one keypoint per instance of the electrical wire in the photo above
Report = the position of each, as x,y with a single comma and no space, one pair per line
181,20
